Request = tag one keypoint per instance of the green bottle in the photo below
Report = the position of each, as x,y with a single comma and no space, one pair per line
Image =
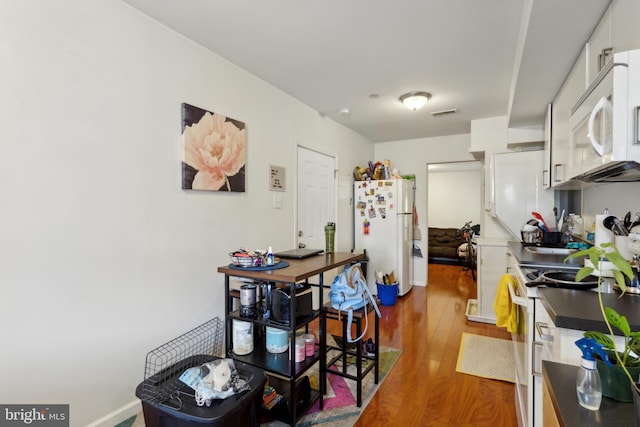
329,234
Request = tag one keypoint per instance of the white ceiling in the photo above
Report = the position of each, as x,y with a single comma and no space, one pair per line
485,58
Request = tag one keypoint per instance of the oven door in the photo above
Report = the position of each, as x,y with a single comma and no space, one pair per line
523,344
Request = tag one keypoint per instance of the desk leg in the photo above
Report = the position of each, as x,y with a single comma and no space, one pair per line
322,336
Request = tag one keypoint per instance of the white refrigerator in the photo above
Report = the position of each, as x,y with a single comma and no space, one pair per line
383,225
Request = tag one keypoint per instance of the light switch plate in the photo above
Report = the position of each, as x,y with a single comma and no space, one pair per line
277,201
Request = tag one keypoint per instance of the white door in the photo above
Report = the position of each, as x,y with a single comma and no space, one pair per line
316,197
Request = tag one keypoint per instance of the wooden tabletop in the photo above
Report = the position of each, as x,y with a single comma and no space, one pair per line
298,269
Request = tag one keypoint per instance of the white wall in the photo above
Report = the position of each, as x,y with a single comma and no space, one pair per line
103,257
412,157
454,196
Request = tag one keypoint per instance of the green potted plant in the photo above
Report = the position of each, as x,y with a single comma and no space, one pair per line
616,379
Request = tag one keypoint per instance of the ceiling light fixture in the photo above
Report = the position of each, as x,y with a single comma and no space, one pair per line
415,100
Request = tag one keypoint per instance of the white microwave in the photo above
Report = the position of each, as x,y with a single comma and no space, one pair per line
604,139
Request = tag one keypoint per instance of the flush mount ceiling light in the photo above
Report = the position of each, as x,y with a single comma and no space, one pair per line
415,100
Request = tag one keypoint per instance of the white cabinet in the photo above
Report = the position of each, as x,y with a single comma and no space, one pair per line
492,264
518,189
599,47
546,164
562,163
624,16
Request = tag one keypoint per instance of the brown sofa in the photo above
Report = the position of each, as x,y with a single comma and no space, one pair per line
443,245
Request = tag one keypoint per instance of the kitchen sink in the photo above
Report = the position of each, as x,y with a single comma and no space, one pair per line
542,250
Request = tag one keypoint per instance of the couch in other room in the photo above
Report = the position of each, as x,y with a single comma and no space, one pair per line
443,245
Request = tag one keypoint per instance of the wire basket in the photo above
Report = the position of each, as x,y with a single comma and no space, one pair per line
248,261
165,364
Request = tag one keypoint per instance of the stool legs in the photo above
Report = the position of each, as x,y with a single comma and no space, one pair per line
344,352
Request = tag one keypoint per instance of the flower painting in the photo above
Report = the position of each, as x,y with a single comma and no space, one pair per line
214,151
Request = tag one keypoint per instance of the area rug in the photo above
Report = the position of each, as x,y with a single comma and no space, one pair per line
340,408
486,357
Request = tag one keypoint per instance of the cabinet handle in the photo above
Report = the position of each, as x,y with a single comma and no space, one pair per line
536,344
545,173
543,337
555,172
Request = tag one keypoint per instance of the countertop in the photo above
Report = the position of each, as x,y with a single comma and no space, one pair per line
532,260
576,309
580,310
561,379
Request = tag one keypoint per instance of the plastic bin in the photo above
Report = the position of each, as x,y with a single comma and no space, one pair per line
180,409
388,294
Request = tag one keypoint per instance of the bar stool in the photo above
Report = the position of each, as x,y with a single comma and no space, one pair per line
343,351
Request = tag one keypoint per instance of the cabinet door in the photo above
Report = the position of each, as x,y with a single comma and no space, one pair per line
599,47
563,165
624,25
546,165
492,264
549,416
518,189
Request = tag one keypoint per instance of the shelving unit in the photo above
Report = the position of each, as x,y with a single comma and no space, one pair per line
279,365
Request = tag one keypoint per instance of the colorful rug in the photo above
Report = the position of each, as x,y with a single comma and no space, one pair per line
487,357
340,408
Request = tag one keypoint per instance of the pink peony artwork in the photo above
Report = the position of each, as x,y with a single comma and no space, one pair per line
214,151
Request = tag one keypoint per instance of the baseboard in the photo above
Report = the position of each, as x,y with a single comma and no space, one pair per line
119,415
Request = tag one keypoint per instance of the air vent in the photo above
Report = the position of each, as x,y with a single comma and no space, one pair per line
443,112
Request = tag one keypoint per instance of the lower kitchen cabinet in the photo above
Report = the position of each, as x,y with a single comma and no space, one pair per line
492,264
549,416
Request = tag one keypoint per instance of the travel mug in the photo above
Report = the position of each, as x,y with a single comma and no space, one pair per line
329,233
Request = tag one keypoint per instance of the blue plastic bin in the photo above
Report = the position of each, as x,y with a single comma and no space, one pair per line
388,294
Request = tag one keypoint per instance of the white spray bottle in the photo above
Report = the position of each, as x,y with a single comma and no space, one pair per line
588,385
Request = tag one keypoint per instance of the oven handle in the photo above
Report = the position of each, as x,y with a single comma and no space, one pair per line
523,301
533,358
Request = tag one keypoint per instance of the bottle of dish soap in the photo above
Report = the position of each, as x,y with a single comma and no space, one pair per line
588,385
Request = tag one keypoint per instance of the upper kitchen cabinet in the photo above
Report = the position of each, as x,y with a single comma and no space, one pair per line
617,31
562,163
599,47
546,164
624,25
518,189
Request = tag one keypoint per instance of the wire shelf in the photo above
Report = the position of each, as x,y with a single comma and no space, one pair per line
165,364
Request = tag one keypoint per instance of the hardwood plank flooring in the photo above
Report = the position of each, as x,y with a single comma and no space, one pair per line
423,388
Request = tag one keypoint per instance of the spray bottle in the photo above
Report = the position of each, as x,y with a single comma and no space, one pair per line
588,385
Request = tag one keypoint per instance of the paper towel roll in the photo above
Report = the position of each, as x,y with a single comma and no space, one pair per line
603,234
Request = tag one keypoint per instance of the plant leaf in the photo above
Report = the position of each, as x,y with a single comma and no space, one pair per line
583,272
620,322
601,338
620,281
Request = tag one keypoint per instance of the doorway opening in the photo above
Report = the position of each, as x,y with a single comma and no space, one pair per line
454,197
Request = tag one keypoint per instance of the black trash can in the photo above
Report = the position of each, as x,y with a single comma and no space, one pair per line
181,410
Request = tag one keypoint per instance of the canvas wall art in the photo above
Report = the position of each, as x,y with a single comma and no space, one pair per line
214,151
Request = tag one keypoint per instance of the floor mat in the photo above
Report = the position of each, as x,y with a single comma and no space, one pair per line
486,357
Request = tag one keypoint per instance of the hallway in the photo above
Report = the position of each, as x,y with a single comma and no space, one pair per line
423,388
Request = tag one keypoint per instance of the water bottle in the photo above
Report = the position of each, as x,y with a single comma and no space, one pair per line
329,233
270,256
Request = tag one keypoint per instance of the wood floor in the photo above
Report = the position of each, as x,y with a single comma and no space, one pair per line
423,388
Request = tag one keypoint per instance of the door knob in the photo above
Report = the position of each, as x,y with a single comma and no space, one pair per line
301,245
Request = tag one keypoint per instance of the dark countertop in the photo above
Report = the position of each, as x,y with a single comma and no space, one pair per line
580,310
576,309
561,379
528,259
